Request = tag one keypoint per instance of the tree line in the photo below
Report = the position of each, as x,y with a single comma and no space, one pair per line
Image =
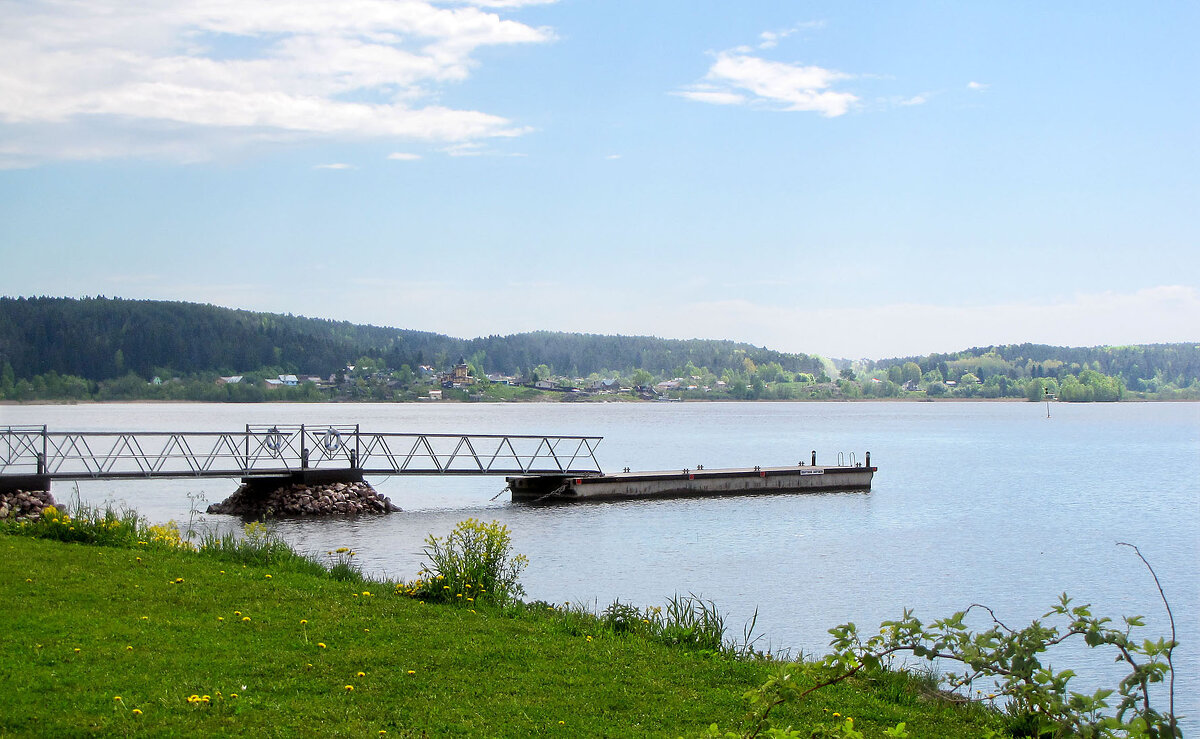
112,348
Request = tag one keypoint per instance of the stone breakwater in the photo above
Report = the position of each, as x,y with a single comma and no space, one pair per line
297,499
20,504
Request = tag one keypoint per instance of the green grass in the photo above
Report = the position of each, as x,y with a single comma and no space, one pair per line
155,626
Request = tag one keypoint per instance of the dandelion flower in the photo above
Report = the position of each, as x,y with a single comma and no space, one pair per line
76,650
117,698
303,621
233,695
349,688
129,648
412,672
362,674
145,618
366,631
220,618
589,638
136,712
245,619
267,576
321,644
237,613
178,580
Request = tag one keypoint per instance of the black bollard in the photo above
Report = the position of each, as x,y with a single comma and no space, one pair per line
814,458
868,459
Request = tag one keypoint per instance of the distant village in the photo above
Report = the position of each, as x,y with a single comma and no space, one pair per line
435,385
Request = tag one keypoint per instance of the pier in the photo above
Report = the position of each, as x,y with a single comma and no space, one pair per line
803,478
32,457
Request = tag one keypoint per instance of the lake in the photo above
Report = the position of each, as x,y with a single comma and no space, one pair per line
986,502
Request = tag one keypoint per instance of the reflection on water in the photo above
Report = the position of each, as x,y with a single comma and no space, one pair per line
973,503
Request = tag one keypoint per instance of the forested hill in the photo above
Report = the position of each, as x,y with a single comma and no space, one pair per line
1139,367
102,338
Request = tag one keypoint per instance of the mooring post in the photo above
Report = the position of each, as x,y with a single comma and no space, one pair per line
814,458
868,459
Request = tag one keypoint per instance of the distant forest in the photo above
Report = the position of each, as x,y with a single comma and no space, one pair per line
103,338
110,348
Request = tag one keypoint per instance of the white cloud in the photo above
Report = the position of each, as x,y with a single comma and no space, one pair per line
114,77
781,85
920,99
335,165
978,86
613,156
403,156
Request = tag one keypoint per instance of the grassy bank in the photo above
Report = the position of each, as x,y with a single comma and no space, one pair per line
109,640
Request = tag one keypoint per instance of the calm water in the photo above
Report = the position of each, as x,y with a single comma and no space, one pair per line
974,502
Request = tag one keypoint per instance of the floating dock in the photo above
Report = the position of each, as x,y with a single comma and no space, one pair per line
699,482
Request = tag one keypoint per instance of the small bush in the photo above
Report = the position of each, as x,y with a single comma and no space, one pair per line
474,562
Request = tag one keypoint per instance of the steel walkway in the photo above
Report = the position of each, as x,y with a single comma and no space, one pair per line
267,451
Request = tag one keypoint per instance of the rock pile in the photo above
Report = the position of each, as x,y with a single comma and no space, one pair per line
18,504
332,499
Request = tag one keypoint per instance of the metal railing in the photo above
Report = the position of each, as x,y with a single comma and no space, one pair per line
280,449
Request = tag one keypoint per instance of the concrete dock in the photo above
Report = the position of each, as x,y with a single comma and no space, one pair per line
690,483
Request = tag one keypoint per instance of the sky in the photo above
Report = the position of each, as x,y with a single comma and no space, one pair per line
850,179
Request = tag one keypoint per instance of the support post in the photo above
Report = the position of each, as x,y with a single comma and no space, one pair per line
814,458
246,459
303,449
45,447
355,457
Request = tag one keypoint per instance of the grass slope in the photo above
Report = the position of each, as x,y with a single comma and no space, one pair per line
82,625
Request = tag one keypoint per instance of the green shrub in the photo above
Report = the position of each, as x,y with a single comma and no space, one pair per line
474,562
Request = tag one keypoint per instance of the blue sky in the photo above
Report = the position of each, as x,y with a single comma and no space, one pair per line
848,179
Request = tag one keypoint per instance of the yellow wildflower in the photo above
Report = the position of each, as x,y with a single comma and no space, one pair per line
136,712
303,621
321,644
349,688
245,619
412,672
117,698
362,674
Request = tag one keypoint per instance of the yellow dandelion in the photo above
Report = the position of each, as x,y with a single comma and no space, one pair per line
145,618
365,631
349,688
117,698
589,638
139,559
470,600
233,695
836,714
444,587
28,580
321,644
129,648
245,619
76,650
472,610
412,672
237,613
178,580
362,674
220,618
303,621
136,712
267,576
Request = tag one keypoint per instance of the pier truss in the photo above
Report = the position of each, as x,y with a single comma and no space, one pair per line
267,451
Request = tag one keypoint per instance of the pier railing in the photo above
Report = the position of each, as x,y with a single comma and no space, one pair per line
281,449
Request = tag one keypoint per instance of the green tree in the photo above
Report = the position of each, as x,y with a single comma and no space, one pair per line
912,372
